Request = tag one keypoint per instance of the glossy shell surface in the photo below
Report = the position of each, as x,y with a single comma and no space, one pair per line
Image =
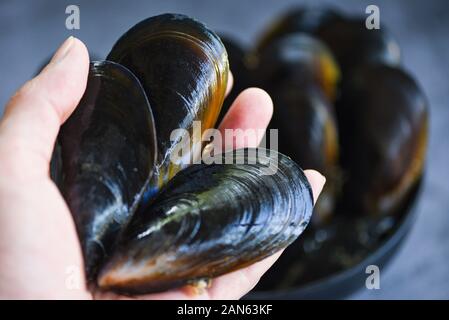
104,157
183,68
209,220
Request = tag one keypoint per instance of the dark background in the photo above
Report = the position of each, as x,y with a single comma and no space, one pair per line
31,30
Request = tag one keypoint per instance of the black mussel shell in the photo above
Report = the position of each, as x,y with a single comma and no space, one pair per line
241,72
383,121
297,58
304,20
301,76
307,132
104,157
353,43
183,68
209,220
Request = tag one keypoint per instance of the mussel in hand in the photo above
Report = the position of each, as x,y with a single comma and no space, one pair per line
183,68
104,157
148,224
209,220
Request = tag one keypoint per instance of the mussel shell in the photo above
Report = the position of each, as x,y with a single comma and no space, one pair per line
183,68
307,132
304,20
301,76
353,43
104,157
304,113
209,220
383,121
298,58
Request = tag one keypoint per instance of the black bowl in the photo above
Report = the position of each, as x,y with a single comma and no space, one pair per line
341,284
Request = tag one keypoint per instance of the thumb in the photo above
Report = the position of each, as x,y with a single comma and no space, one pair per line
34,114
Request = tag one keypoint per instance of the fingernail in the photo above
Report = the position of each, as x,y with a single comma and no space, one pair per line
317,181
63,50
321,180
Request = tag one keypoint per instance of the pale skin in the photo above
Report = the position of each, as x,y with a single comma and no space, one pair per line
38,240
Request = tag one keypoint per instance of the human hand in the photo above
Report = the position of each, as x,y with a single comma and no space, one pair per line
38,240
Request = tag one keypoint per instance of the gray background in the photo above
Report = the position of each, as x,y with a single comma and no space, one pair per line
31,30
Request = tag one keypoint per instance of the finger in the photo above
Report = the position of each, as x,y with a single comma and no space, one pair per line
317,181
230,83
246,121
34,114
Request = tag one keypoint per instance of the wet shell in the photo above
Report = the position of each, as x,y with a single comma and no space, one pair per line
303,20
353,44
183,68
383,116
301,76
210,220
307,132
298,58
104,157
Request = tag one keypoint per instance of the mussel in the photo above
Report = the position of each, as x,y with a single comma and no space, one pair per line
183,68
383,120
297,58
307,131
104,157
145,223
302,77
347,37
297,20
209,220
354,44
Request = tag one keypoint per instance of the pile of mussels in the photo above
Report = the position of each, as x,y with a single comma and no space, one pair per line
343,106
146,221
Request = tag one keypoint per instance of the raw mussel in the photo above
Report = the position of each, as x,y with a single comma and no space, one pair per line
104,157
209,220
307,131
301,76
305,20
145,223
347,37
183,68
383,120
353,43
297,58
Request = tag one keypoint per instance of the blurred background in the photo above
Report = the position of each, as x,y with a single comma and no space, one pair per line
31,30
